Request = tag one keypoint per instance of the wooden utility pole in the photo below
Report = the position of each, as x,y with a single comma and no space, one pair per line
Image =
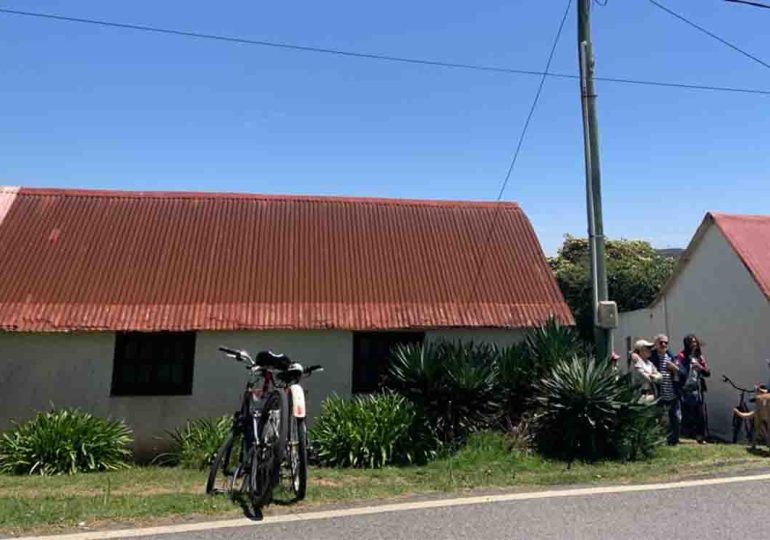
602,336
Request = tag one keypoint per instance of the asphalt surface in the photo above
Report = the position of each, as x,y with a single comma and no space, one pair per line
723,512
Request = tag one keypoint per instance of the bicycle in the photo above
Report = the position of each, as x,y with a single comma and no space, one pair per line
265,431
743,407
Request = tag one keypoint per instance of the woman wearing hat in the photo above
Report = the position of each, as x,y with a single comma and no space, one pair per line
644,371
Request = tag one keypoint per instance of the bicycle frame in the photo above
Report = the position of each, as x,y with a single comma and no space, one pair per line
273,433
739,422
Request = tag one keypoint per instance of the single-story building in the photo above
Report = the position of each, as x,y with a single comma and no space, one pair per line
720,291
117,301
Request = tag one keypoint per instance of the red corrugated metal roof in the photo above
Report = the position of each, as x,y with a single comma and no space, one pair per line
749,236
108,260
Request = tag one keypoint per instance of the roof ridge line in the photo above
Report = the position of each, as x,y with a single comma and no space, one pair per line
180,195
729,215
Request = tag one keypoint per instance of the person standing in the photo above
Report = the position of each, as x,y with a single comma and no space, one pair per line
645,374
668,399
693,368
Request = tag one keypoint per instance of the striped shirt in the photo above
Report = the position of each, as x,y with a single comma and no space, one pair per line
666,382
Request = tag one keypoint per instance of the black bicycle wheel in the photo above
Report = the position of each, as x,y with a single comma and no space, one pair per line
298,457
265,465
219,467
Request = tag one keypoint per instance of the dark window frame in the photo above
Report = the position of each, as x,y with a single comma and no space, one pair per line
153,364
370,361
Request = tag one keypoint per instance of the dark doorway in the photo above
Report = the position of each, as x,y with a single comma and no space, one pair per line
371,356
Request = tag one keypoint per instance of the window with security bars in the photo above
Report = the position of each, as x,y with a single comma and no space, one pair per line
371,356
153,364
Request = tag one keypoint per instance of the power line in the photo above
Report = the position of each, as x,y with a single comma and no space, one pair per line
273,44
519,144
379,57
750,3
709,33
534,102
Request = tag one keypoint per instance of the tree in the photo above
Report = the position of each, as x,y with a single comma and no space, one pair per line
635,275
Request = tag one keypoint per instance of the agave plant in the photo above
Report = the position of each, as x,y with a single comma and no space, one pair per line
521,365
517,374
65,441
453,384
578,408
551,343
638,433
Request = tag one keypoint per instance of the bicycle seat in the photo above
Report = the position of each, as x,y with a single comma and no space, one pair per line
271,360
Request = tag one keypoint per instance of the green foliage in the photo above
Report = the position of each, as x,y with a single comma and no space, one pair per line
635,275
584,411
550,343
372,431
638,432
196,443
454,385
483,449
578,406
465,387
65,441
523,364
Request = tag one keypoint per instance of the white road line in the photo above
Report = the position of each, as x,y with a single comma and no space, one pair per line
399,507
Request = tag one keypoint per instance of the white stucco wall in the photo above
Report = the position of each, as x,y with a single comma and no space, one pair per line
715,298
67,370
76,370
219,380
495,336
633,325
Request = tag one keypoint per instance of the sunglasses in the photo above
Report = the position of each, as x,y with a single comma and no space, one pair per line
663,342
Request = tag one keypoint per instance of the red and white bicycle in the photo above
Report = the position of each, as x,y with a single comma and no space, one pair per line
270,429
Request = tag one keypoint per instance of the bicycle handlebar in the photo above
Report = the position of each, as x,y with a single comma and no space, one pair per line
729,381
240,356
311,369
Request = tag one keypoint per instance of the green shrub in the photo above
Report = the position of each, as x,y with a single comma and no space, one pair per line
196,443
522,365
464,387
65,441
638,432
584,411
578,403
371,432
454,385
550,343
517,374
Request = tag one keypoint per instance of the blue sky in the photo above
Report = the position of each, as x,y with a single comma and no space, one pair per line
85,106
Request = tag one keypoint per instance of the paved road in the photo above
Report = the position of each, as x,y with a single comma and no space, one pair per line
716,512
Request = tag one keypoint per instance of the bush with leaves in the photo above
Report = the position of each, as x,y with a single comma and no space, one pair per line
584,411
638,432
372,431
521,365
454,385
65,441
635,274
196,443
